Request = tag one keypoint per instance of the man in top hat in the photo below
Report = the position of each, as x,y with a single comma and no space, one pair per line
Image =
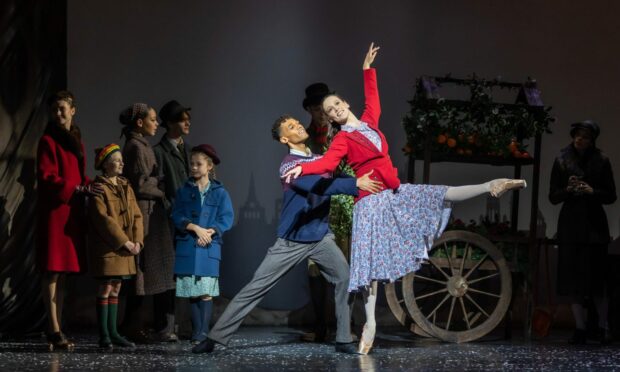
172,152
320,134
320,131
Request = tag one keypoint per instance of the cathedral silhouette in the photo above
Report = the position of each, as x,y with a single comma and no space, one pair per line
245,246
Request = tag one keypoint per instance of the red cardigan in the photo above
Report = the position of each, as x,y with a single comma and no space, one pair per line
359,152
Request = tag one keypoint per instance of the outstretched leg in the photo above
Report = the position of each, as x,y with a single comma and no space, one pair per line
280,259
495,187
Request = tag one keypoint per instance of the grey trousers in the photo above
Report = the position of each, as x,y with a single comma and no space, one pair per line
280,259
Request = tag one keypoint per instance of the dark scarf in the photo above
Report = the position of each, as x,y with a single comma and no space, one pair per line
591,161
70,140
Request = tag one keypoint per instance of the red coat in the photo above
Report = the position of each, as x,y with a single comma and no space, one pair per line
358,151
61,217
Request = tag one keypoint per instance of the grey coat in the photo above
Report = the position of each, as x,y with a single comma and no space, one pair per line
155,271
172,166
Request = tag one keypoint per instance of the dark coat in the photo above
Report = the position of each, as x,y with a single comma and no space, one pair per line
156,261
582,217
583,231
216,212
115,218
61,224
173,166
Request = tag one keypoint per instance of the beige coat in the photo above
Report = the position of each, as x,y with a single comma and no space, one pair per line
115,218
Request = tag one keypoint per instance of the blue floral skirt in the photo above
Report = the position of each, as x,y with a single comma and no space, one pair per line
392,230
196,286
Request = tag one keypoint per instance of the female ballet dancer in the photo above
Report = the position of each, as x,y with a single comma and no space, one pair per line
392,229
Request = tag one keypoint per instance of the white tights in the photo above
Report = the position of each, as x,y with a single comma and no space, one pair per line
460,193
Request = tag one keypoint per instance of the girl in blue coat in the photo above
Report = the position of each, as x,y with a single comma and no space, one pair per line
202,212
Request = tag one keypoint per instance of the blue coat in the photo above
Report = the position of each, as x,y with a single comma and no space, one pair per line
216,212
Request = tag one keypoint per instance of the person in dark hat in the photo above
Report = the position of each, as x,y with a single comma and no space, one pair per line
172,157
320,131
582,180
172,151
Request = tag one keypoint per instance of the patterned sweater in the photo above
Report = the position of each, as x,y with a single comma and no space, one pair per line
305,206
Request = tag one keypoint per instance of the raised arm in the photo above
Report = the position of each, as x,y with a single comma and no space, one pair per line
372,106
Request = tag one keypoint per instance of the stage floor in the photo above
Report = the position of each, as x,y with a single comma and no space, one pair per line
278,349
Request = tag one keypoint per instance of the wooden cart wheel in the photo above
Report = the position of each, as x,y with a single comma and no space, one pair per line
397,305
462,291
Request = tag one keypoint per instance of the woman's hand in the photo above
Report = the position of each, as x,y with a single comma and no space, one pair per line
367,184
584,188
138,248
370,56
294,173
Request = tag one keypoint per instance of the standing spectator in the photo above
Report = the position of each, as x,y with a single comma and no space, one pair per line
155,270
115,237
582,180
202,213
61,229
172,150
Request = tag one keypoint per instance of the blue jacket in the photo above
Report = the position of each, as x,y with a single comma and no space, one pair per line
305,206
216,212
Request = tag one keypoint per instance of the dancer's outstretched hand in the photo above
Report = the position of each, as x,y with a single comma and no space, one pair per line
370,56
292,174
367,184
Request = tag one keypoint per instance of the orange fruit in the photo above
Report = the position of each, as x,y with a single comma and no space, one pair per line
468,152
525,154
451,142
471,139
460,151
513,146
441,139
517,154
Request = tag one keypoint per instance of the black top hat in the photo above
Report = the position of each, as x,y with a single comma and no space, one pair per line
208,150
171,112
586,124
315,94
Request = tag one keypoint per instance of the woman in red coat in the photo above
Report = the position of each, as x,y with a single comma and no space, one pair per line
61,229
392,228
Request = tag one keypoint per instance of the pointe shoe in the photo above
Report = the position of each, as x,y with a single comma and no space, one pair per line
367,339
501,185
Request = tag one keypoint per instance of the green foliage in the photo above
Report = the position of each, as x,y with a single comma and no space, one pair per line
475,127
341,210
